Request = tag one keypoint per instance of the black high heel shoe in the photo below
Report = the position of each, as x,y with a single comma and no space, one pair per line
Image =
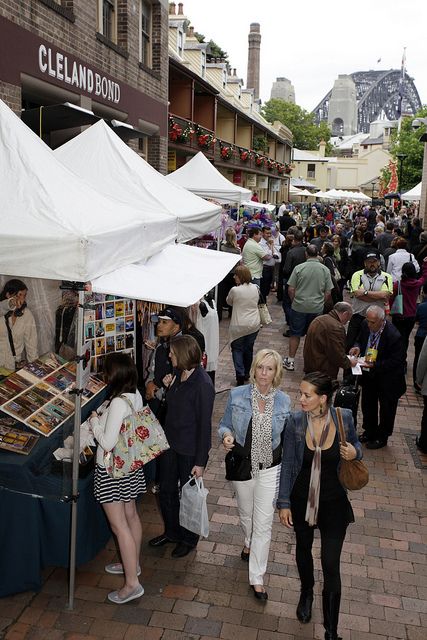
305,605
260,595
245,555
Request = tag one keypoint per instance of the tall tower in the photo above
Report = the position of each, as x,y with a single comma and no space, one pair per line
342,115
254,39
284,89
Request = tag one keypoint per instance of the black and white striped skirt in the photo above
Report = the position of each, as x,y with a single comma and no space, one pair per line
107,489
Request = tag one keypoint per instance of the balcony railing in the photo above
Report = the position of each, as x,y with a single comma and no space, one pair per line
185,133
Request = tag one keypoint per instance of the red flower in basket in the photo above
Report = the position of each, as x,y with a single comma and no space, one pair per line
244,155
118,462
142,432
136,464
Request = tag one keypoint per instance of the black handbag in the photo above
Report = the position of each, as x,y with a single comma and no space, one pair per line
237,467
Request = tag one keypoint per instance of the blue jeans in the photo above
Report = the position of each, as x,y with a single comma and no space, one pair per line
242,350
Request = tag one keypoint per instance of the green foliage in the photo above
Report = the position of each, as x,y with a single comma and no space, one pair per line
306,133
260,144
408,142
213,50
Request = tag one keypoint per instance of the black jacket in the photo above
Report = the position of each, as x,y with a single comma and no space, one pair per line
388,372
189,416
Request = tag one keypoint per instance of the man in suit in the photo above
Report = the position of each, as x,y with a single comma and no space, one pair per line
383,378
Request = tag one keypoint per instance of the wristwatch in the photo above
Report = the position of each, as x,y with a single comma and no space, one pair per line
365,293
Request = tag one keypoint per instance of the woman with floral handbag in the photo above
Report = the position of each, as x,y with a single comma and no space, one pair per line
118,495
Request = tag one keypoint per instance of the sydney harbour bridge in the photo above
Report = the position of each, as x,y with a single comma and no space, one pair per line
377,93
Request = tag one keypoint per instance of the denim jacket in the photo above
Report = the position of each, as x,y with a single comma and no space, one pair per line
293,450
238,414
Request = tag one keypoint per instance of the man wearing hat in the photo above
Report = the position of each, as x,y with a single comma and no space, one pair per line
169,325
368,286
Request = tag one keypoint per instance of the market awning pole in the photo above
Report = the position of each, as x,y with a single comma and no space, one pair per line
76,447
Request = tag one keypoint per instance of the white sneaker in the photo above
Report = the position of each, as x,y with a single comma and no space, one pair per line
289,364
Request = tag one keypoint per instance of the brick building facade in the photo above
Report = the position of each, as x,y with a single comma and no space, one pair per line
109,57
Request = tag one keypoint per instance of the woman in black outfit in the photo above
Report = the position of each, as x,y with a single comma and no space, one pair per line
311,495
189,402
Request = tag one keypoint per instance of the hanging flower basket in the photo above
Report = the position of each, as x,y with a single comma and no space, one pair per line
259,160
179,134
244,155
226,152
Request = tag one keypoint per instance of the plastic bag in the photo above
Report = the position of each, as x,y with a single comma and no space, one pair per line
193,510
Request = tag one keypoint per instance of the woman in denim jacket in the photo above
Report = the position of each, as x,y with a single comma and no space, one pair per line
311,495
252,428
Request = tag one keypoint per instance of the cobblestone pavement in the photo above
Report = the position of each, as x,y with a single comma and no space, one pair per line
206,594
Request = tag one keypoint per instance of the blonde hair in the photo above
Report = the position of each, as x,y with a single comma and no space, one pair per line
231,238
263,354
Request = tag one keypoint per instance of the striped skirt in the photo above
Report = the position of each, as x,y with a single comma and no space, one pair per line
107,489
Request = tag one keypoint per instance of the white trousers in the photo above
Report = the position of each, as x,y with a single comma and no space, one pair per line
256,502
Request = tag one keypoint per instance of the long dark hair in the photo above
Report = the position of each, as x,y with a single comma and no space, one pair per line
409,271
323,384
12,287
120,374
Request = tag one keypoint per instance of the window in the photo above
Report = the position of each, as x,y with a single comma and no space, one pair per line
107,19
338,127
224,78
145,33
311,171
180,43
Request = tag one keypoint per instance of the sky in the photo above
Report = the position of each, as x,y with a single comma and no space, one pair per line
311,42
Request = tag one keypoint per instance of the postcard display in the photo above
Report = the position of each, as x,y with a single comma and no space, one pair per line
38,395
109,324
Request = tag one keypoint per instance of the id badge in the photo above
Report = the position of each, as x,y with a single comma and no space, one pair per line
371,355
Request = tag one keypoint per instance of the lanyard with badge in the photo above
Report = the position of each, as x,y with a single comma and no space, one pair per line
372,347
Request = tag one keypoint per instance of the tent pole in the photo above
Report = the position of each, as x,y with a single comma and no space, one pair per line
218,243
76,448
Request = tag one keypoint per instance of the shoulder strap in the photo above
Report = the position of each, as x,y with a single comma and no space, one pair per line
340,425
123,397
10,335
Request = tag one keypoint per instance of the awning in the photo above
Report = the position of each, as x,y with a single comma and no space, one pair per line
251,204
127,131
57,116
179,275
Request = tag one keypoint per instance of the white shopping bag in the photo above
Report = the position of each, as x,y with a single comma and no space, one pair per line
193,510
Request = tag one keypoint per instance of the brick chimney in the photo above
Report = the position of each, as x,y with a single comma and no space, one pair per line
254,40
172,8
322,149
180,9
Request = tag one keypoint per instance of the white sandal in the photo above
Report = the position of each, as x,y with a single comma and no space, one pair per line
133,595
116,569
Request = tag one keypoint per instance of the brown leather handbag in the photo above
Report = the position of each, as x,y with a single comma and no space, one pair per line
353,474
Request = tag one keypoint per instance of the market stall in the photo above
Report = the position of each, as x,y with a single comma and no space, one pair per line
413,194
199,176
58,227
101,158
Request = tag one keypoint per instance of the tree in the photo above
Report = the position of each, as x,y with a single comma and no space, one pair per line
213,49
306,133
408,142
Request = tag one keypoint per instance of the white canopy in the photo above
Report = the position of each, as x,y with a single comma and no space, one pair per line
99,156
200,176
414,193
54,225
250,204
178,275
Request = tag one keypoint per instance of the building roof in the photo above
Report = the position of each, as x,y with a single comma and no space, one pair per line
372,141
347,142
300,155
300,182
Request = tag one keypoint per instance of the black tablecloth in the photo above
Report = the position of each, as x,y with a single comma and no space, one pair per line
34,530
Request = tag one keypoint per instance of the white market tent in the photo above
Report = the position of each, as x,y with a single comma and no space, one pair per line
199,176
414,193
178,275
99,156
250,204
55,225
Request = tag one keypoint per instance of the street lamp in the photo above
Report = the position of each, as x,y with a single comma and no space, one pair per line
401,157
373,183
416,124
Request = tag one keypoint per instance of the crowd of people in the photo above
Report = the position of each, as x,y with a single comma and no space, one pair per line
352,281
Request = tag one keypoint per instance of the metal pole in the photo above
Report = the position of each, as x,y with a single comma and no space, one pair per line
423,202
76,450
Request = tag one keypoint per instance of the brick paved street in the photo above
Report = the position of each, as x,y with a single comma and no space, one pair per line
206,594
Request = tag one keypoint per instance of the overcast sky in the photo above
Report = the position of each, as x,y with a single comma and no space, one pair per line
311,42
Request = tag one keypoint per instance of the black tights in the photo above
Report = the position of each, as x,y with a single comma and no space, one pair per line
330,553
